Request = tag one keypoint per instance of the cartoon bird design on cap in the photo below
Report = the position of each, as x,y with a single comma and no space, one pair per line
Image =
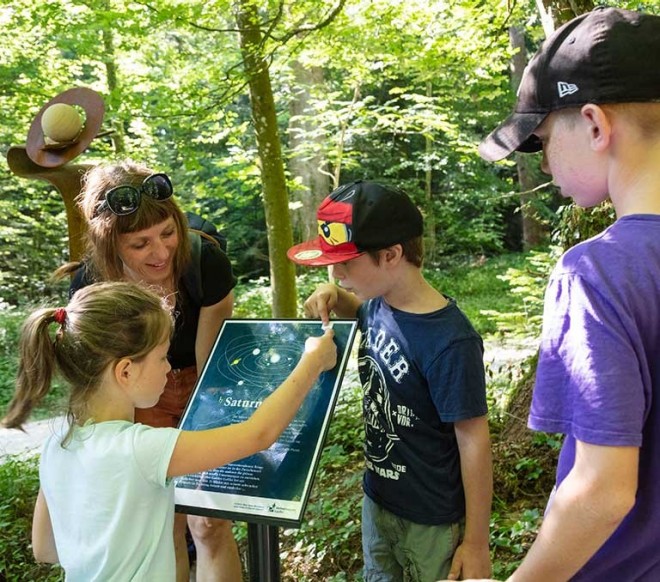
335,233
334,220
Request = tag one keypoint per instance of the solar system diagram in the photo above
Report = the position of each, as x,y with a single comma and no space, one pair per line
253,362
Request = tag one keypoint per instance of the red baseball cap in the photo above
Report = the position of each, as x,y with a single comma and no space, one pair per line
359,217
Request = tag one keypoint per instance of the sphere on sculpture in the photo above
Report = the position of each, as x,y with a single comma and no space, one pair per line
61,122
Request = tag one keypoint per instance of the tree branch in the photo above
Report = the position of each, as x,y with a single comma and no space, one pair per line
309,28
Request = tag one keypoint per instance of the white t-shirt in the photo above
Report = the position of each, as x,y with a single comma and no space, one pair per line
110,502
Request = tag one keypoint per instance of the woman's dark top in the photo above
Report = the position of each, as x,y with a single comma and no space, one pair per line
217,281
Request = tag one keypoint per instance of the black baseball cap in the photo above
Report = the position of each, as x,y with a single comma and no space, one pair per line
359,217
607,55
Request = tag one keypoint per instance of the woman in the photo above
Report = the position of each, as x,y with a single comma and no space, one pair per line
137,232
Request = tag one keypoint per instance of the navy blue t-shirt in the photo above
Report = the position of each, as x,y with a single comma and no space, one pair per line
420,373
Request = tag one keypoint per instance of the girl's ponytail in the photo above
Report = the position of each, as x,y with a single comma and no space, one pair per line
103,323
37,363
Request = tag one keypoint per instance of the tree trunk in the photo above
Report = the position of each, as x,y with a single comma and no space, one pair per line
533,231
276,203
306,162
554,13
109,61
429,229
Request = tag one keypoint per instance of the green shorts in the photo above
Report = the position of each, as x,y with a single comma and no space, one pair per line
397,550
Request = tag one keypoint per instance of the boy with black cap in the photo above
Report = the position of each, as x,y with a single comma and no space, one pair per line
427,450
590,99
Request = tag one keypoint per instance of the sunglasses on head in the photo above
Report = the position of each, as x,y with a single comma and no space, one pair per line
123,200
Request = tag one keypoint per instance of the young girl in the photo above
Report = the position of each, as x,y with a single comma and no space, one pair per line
105,508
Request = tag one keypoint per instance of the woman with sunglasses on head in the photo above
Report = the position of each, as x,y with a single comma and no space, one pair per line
137,232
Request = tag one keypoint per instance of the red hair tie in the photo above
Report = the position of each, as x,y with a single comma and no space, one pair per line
60,315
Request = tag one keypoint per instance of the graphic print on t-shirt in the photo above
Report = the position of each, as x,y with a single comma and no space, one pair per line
381,418
378,422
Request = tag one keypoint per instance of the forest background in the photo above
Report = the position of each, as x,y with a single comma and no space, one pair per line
257,109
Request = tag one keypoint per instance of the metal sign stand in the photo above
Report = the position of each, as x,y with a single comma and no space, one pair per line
263,553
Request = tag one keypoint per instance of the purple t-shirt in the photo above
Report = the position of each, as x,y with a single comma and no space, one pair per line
599,371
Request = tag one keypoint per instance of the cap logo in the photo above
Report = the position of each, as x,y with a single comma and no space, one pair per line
566,88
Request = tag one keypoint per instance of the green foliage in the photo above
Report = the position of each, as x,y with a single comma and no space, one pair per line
473,281
504,379
405,88
511,536
328,546
578,224
10,321
388,109
307,280
19,483
254,298
475,284
527,283
529,469
523,477
173,83
33,242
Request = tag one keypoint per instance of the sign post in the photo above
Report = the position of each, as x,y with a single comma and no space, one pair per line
263,553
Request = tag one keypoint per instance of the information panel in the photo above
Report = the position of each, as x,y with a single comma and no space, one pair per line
249,360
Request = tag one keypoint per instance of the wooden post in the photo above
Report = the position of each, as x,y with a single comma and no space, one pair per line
67,179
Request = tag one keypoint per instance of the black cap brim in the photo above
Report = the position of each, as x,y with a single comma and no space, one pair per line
514,134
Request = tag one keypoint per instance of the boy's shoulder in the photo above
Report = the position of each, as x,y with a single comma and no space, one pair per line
630,243
446,320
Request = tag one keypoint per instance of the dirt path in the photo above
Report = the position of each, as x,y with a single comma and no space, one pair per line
17,442
500,352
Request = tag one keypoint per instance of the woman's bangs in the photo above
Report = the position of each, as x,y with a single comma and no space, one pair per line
150,213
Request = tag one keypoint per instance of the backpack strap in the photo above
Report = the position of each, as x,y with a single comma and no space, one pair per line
193,276
206,229
207,236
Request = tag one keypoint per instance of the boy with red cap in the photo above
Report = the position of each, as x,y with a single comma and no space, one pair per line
590,99
428,478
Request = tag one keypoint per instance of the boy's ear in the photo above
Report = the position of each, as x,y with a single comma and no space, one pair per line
393,253
599,125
